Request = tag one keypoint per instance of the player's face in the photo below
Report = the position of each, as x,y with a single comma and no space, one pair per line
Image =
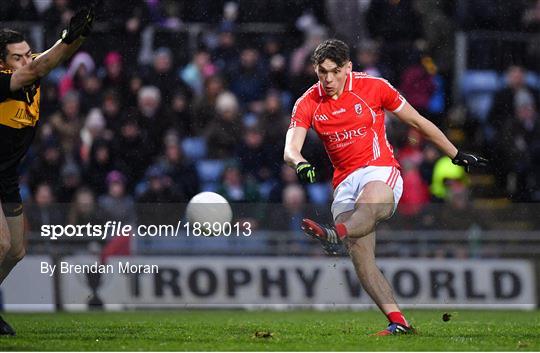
332,76
18,55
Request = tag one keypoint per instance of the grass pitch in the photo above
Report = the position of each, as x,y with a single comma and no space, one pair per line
206,330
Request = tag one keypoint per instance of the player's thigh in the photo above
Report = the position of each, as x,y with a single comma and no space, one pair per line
379,198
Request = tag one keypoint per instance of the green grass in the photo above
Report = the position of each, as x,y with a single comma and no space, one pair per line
290,331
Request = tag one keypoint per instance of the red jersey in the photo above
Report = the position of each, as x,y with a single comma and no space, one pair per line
351,127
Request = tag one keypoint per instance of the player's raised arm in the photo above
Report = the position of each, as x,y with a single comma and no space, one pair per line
410,116
292,155
72,37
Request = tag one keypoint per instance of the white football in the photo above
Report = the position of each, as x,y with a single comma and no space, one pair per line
208,207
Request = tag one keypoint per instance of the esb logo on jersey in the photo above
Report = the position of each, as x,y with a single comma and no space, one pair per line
339,136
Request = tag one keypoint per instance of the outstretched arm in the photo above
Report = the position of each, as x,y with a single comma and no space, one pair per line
410,116
72,38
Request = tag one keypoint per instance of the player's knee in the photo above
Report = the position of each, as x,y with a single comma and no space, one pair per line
378,209
377,192
18,255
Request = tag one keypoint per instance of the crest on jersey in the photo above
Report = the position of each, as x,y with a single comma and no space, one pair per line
358,108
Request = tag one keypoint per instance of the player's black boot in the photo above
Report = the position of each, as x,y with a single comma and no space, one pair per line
327,235
5,328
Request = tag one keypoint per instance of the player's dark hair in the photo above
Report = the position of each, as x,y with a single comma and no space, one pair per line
8,36
332,49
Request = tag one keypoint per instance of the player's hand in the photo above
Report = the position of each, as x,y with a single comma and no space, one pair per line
79,26
468,160
306,172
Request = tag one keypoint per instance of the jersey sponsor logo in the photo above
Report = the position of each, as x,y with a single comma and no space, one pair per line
339,111
358,108
321,117
345,135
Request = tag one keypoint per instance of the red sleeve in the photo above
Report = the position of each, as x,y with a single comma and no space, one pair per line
391,99
301,116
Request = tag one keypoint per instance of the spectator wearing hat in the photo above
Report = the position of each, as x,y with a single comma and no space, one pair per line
114,75
163,75
225,55
179,114
66,123
47,166
257,159
111,110
91,93
133,151
224,132
94,128
204,107
81,66
69,183
100,164
157,203
150,115
179,171
117,205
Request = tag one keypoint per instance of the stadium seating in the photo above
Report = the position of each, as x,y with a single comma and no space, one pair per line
477,88
210,171
194,148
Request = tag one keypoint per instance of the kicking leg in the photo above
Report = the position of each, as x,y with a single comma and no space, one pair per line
375,203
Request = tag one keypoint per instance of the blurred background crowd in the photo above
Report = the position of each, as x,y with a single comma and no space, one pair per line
168,98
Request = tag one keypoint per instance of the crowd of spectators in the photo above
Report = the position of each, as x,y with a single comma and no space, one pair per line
133,120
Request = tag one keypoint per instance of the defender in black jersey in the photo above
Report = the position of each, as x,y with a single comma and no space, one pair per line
20,73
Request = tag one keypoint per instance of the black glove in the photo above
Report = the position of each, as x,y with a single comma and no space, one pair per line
468,160
79,25
306,172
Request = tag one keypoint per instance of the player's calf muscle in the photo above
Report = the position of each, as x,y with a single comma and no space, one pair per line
5,236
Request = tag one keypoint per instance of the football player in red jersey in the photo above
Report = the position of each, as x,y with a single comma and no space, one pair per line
346,110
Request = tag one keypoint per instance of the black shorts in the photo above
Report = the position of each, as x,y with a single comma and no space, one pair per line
10,195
